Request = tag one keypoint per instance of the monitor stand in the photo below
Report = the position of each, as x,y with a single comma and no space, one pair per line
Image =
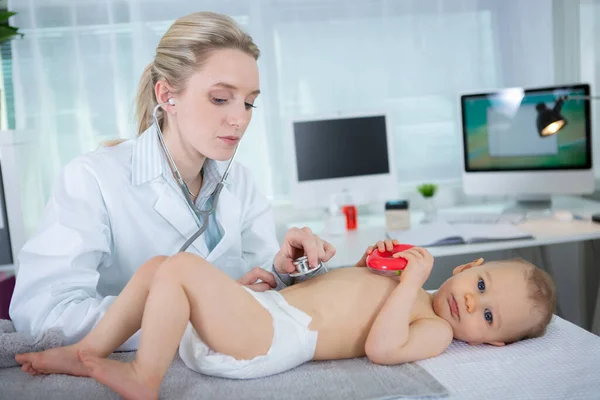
525,204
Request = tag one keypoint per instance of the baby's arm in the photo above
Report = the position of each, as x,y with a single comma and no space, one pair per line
393,338
424,338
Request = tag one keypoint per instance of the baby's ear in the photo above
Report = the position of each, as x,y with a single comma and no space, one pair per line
465,267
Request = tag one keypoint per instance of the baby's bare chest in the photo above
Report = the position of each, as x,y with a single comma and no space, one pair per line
354,297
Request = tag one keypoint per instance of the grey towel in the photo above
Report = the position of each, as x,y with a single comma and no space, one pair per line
6,326
13,343
341,379
332,380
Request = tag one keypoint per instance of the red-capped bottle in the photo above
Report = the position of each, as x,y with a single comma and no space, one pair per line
349,210
351,216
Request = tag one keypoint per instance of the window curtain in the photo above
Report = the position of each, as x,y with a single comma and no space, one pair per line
590,64
77,68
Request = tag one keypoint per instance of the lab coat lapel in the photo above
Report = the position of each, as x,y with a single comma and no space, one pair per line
228,216
173,208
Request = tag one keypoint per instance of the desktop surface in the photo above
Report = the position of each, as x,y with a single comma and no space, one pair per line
544,227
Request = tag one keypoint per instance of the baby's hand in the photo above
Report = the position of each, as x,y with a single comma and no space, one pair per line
382,245
420,262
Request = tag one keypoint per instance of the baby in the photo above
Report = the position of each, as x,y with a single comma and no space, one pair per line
224,329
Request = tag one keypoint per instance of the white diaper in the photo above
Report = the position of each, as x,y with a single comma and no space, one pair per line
293,344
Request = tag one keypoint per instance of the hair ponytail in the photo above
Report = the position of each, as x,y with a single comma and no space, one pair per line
145,100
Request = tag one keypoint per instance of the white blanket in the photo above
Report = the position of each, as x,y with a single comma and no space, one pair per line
564,364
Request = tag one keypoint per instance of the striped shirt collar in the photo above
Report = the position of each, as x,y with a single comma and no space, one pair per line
149,162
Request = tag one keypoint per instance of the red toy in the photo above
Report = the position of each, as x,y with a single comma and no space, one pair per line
384,264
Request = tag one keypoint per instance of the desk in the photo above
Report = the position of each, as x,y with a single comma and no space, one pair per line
574,267
546,230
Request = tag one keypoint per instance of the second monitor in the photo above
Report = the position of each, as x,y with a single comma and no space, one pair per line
509,150
351,154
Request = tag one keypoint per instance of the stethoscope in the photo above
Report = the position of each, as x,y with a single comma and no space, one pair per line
201,216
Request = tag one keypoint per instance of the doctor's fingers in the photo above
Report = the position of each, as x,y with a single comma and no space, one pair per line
329,251
302,239
324,251
321,249
313,248
259,287
255,274
311,244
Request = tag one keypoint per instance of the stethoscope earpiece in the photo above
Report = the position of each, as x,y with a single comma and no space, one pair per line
172,101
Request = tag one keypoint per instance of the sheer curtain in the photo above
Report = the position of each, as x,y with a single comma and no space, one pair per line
590,72
77,69
590,63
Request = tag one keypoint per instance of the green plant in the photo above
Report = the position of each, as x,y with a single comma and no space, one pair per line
427,189
7,32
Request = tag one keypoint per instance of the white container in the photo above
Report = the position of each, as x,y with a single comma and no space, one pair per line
397,216
335,221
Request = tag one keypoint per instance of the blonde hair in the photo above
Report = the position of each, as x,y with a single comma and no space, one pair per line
183,50
542,293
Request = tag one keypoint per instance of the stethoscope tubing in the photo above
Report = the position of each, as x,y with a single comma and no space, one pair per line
201,216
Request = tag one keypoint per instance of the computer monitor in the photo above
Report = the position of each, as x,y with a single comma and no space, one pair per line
506,154
12,234
333,155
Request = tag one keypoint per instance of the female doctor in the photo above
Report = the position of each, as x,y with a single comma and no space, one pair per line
115,208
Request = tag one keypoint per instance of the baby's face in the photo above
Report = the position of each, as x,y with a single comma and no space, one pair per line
486,304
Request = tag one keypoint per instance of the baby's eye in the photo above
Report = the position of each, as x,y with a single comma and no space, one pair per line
481,285
488,316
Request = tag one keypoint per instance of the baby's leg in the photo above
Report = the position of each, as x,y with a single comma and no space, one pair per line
119,323
124,317
187,288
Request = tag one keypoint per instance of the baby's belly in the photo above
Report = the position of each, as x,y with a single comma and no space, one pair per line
343,305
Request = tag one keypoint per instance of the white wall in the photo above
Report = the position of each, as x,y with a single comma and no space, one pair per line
77,68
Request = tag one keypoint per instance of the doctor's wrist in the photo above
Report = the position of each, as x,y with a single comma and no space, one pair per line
282,280
280,264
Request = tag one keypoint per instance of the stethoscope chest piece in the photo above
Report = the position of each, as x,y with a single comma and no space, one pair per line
303,269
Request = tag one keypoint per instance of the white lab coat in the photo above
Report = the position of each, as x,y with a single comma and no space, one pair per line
110,211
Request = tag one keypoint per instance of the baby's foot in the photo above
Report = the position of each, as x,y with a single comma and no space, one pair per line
123,378
61,360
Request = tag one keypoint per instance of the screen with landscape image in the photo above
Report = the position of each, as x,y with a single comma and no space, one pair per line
501,132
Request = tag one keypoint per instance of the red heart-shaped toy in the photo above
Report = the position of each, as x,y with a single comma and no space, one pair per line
383,263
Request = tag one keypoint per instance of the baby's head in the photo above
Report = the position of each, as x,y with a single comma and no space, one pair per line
497,302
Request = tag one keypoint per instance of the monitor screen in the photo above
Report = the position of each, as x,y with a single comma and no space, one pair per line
338,148
500,130
5,244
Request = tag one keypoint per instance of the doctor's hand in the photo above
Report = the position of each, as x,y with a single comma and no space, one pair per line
252,277
300,242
